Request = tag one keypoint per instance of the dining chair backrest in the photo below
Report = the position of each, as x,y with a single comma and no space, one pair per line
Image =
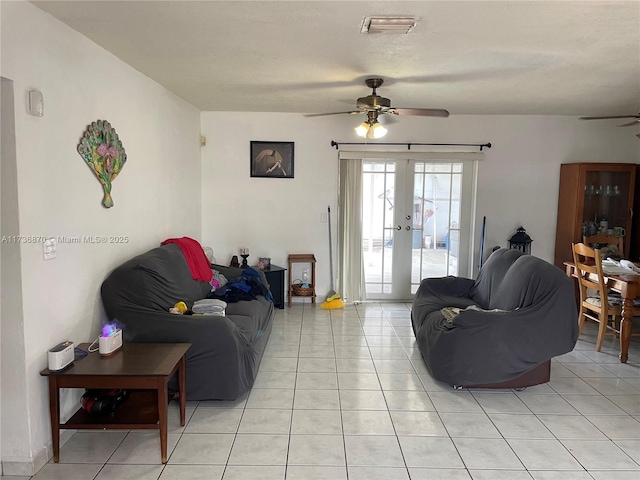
604,239
588,261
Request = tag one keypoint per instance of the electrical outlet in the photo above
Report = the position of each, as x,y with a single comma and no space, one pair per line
49,248
323,217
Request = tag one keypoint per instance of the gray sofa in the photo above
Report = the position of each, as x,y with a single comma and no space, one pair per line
534,318
225,355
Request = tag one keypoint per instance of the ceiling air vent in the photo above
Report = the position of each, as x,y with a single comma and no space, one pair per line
389,24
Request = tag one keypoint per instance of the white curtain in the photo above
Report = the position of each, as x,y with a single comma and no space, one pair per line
350,272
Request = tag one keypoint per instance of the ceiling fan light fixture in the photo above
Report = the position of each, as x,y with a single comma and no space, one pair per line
362,130
395,24
377,130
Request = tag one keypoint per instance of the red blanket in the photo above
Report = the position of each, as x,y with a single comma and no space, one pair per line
196,258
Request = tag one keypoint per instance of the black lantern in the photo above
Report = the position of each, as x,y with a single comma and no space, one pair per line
521,241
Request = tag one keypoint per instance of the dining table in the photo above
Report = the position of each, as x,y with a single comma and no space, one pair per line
628,286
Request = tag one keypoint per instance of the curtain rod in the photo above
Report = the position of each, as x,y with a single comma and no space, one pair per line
481,145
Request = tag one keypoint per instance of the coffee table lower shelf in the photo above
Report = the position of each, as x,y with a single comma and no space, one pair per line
139,411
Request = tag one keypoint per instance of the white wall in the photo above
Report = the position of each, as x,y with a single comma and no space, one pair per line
156,196
517,182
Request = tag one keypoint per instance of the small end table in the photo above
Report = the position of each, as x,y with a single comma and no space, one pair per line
145,368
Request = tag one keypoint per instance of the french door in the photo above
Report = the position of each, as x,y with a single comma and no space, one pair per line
416,223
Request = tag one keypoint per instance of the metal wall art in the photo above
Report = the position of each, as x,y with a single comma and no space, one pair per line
102,150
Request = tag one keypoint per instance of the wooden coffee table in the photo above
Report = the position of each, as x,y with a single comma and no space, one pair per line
144,368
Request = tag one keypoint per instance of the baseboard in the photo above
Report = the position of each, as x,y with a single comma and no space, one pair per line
28,467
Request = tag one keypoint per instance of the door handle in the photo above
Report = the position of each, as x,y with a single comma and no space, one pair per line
407,228
398,227
408,217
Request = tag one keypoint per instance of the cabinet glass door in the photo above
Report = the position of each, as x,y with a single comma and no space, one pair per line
606,202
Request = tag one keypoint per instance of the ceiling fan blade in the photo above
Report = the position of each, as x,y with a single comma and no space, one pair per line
352,112
613,116
635,122
423,112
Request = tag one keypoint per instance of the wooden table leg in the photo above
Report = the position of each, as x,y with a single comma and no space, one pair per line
182,388
54,412
163,411
625,329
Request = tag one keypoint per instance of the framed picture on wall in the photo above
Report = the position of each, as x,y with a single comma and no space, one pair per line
272,159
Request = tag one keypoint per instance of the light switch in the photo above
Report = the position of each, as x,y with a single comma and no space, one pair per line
49,248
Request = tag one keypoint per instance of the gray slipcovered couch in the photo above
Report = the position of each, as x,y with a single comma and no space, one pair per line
225,355
535,320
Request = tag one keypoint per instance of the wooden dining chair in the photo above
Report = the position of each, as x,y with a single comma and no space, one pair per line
599,307
604,239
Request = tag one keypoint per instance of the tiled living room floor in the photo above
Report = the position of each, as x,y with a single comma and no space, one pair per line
344,394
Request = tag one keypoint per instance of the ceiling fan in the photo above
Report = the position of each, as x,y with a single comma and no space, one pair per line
634,122
373,105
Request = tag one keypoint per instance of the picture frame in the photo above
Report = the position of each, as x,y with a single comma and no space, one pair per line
272,159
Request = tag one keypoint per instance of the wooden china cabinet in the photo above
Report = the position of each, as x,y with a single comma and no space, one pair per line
596,197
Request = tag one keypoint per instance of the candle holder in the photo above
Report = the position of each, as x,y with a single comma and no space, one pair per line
244,260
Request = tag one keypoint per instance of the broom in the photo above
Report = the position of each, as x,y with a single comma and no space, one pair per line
333,300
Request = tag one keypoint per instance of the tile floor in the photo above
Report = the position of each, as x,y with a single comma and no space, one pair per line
344,394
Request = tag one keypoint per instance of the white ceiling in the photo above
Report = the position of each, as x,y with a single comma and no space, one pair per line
470,57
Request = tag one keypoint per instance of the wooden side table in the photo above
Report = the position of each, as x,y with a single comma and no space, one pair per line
145,368
303,258
275,277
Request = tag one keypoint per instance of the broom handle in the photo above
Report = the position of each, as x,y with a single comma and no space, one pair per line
330,246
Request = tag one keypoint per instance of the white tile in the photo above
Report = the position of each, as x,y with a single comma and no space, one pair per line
393,366
631,448
130,472
432,452
386,352
418,424
543,454
263,472
586,370
612,386
316,422
207,449
383,340
317,365
275,364
373,450
143,448
327,450
500,402
66,471
258,420
593,404
362,400
378,473
408,400
551,403
469,425
487,453
500,475
572,385
367,422
192,472
90,447
214,420
454,401
629,403
278,398
400,381
316,400
355,365
275,380
358,381
250,449
617,427
615,475
347,351
325,338
560,475
571,427
600,455
321,351
439,474
281,351
315,472
317,381
513,425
